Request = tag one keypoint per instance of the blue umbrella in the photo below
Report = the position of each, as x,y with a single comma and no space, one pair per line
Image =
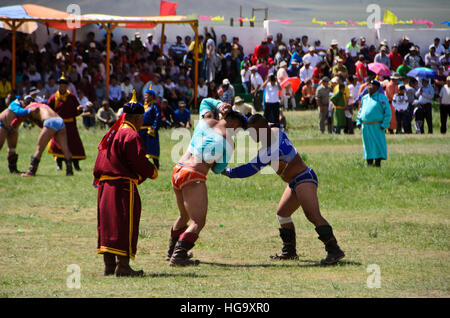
422,73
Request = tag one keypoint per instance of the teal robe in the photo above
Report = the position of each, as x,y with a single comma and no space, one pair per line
374,116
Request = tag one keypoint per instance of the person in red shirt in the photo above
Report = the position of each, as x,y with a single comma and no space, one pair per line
361,69
261,51
395,57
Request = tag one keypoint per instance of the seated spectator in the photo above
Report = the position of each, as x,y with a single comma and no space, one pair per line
50,87
202,90
88,115
306,72
115,94
100,93
167,115
127,88
106,115
243,108
155,86
226,92
82,98
182,116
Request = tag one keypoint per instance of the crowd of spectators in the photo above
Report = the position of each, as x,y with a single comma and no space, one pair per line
138,64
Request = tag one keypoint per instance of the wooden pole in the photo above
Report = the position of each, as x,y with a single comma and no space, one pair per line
109,30
74,39
12,24
162,39
195,27
13,79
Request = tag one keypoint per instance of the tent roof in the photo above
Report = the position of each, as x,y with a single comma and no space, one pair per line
58,19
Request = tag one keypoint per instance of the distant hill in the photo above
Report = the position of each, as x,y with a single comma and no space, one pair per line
301,12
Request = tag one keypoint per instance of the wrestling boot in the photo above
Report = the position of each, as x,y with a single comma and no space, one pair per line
76,164
110,263
180,255
175,235
123,268
334,251
289,245
12,163
59,162
69,170
33,167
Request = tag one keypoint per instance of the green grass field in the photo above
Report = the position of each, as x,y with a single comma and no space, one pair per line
396,217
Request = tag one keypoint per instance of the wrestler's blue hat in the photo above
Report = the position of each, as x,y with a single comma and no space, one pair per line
133,106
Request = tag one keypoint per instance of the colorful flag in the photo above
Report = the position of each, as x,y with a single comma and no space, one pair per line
168,8
390,17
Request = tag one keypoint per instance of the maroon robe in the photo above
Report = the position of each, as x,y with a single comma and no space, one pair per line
120,168
67,110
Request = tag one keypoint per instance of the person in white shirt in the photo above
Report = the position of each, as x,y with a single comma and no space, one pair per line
444,100
439,47
271,99
312,57
202,88
127,88
80,65
306,71
245,77
256,83
286,92
149,43
400,104
82,99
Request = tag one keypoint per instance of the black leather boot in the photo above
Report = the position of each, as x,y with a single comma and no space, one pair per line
110,263
334,252
59,162
289,250
12,163
69,170
34,164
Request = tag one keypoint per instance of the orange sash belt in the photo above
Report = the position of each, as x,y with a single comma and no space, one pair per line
104,177
69,120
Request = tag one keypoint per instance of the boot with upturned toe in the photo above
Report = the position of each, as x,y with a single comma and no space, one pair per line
289,251
180,256
334,252
123,268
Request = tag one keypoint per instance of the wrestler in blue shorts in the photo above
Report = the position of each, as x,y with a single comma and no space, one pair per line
301,190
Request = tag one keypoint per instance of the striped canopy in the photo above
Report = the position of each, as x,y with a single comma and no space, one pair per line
32,14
